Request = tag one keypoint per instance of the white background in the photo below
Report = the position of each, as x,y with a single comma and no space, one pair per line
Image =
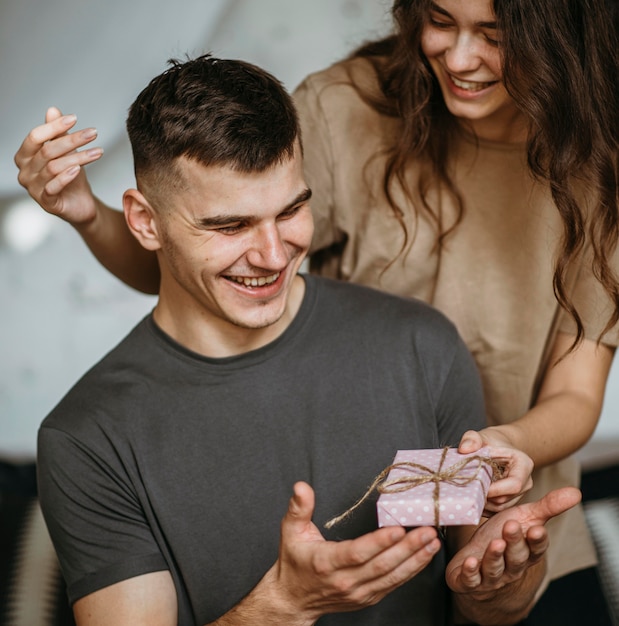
60,312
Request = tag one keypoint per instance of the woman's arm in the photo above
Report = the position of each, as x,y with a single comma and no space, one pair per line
51,169
566,412
568,406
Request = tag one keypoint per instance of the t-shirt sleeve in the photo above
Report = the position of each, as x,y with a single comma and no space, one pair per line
461,402
93,514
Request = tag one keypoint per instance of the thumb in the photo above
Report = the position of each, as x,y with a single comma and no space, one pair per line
555,502
53,113
300,509
471,442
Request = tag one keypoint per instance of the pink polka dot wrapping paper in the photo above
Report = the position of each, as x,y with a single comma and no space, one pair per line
458,504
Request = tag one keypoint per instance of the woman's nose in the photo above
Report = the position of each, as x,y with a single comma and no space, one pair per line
463,54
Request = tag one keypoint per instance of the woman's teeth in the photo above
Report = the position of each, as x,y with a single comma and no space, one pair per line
255,282
468,85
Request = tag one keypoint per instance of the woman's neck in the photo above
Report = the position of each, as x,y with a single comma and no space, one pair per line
508,127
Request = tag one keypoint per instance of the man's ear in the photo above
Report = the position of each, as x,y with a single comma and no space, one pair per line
141,219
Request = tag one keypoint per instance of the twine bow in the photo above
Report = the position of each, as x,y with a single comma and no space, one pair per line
421,475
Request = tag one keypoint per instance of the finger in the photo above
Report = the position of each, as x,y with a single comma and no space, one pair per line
517,551
509,487
538,542
469,577
506,492
38,136
419,544
386,548
43,178
496,505
300,507
492,564
46,132
52,113
399,564
471,442
58,163
512,461
554,503
55,186
66,144
55,165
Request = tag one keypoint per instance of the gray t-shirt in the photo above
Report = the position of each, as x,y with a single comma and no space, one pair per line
160,458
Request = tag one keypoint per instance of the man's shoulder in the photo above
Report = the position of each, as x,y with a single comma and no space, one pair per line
362,301
96,391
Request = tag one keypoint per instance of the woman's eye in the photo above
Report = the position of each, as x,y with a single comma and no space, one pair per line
438,23
492,41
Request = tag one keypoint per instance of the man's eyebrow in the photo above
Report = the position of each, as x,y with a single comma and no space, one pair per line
442,11
223,220
304,196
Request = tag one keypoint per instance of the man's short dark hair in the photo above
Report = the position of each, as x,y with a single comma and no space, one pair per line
218,112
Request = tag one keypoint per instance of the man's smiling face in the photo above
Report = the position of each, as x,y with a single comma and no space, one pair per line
232,244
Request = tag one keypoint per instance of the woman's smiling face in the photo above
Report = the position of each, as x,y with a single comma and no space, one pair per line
461,42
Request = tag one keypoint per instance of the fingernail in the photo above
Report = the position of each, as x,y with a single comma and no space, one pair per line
94,152
89,133
433,547
73,170
67,120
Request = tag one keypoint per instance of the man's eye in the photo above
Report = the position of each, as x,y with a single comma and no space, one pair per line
290,212
229,230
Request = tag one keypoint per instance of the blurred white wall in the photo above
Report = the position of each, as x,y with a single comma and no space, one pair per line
60,311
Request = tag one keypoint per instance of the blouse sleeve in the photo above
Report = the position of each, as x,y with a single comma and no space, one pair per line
593,304
318,163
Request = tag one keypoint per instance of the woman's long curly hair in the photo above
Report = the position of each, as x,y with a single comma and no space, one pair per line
560,67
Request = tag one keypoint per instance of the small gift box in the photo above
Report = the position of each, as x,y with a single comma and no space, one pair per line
434,488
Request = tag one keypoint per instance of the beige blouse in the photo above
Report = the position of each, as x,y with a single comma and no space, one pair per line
492,277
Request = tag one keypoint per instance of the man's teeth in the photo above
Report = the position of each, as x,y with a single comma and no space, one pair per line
469,86
255,282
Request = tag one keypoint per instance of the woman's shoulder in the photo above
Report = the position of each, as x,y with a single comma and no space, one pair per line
343,102
343,79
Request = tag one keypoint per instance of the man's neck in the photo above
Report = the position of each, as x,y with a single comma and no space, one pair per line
202,332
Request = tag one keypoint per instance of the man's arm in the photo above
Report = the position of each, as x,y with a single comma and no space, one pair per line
311,577
147,599
51,168
497,571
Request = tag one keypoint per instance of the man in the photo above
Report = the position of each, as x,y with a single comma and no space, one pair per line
164,473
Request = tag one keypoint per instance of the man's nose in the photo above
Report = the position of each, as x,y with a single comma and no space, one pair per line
268,250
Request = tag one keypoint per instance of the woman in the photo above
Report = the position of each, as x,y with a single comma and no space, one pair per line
456,162
469,160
